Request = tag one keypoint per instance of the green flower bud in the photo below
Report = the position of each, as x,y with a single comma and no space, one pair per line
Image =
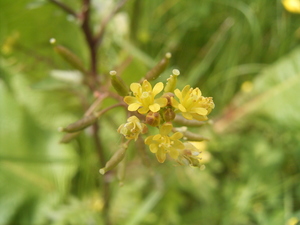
115,159
70,57
172,81
153,119
119,84
159,68
169,115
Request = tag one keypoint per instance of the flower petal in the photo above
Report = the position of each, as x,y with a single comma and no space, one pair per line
174,153
161,156
154,107
181,108
201,111
199,117
178,145
158,88
129,100
187,116
176,136
177,92
156,137
165,129
153,148
143,110
186,90
135,87
146,86
174,103
161,101
133,106
148,140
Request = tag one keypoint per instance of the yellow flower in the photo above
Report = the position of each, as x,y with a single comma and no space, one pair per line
144,97
190,155
161,144
292,6
132,128
192,104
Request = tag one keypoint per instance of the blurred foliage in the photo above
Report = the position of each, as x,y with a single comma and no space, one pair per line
244,53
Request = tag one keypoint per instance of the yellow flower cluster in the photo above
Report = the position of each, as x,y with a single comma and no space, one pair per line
159,111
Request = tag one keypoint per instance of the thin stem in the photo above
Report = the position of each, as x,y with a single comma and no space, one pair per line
87,31
66,8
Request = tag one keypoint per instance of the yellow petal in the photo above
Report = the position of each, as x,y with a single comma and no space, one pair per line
156,137
174,103
158,88
135,87
199,117
161,101
178,145
201,111
133,106
187,116
165,129
178,94
133,119
154,107
130,100
174,153
153,148
143,110
146,86
186,90
148,140
161,156
177,135
181,108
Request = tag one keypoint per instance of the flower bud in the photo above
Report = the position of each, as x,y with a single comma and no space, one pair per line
159,68
115,159
190,155
119,84
132,128
172,81
168,96
153,119
169,115
70,57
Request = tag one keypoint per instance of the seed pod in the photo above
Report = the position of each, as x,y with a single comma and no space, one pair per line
119,84
189,123
70,57
158,68
115,159
172,81
69,137
193,137
121,172
80,124
153,119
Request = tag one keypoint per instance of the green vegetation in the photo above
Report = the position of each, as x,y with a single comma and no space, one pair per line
243,53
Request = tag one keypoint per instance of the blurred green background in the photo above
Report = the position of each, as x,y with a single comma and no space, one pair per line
243,53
